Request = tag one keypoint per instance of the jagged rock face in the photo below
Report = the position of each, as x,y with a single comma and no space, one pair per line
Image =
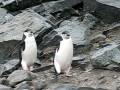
106,57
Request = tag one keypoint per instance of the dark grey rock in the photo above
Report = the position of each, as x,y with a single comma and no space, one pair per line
14,5
19,76
4,81
106,10
3,87
12,31
8,67
51,39
106,56
56,6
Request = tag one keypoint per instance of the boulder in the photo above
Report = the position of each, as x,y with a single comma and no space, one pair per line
20,76
107,57
106,10
9,67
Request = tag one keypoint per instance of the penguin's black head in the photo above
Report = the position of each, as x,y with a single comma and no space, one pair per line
28,33
65,35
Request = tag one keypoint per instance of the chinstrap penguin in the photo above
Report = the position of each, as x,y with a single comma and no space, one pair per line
28,50
64,54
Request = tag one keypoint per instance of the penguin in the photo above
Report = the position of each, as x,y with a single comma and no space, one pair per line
28,50
64,54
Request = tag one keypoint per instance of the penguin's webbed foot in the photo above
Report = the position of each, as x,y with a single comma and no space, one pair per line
67,72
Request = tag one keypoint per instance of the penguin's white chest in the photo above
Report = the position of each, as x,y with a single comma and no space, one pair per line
29,55
65,53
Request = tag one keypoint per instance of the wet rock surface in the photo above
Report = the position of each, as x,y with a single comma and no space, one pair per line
96,61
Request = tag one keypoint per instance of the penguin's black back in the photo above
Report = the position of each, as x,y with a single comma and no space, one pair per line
22,47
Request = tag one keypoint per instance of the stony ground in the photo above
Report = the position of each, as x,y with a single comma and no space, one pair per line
96,78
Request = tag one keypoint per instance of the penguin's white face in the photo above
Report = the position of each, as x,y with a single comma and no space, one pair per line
28,34
65,35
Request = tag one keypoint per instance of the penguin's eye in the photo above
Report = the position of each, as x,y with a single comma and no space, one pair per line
68,35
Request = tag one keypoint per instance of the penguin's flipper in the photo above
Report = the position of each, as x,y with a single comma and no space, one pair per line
24,66
57,67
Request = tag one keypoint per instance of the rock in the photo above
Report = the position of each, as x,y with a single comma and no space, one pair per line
9,67
79,31
106,10
4,81
56,6
11,32
22,21
3,87
4,16
20,76
62,87
106,56
98,38
24,85
29,85
2,69
14,5
65,88
51,39
86,88
80,61
39,84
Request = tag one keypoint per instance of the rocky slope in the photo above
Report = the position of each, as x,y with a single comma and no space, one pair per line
95,30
